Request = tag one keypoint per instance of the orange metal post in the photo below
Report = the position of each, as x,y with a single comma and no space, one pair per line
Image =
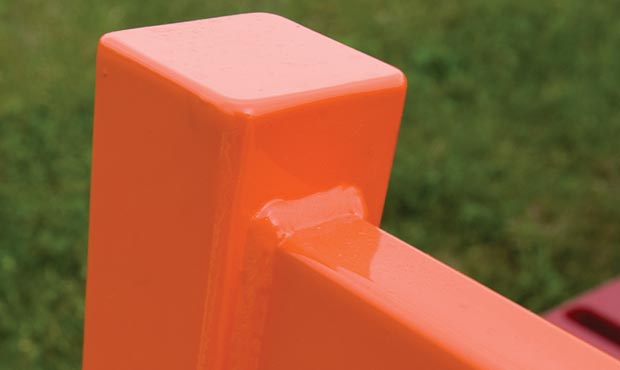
201,258
197,126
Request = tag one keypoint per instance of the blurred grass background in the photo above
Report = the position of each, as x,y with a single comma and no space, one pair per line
507,168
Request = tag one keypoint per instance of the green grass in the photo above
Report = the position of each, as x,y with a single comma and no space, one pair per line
508,164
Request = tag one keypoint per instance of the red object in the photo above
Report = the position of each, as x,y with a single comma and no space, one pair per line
593,316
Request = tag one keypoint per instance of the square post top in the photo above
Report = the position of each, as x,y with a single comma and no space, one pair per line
253,63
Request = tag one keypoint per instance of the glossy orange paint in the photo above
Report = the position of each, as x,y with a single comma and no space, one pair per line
197,126
240,166
347,295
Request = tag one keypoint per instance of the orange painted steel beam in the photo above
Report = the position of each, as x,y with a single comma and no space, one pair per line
204,133
347,295
197,126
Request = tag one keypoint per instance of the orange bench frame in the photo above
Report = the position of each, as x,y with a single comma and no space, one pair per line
240,166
